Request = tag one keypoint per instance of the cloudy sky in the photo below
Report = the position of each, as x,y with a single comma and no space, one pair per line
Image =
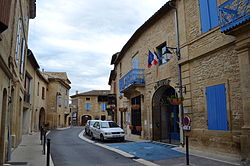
80,36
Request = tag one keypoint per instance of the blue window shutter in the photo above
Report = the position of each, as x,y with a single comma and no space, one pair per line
216,107
87,106
103,107
204,13
213,12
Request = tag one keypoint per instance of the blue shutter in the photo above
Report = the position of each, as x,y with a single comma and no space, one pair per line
87,106
213,12
204,13
103,107
216,107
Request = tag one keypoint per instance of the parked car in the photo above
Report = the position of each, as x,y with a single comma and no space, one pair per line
105,130
88,125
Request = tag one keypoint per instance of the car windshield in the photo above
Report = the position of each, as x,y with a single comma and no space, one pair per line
109,125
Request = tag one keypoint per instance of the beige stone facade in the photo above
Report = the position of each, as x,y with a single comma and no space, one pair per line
23,87
14,23
35,99
207,60
91,105
58,110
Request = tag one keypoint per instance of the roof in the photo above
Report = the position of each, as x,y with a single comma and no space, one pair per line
112,76
59,75
161,12
114,57
93,93
32,59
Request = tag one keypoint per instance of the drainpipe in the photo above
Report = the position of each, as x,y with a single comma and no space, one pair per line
172,4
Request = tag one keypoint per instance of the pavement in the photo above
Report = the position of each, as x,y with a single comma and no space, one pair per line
29,152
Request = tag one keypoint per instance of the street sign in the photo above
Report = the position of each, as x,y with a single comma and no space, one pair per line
186,128
186,123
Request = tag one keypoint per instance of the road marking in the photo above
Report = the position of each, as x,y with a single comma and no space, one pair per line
145,162
125,154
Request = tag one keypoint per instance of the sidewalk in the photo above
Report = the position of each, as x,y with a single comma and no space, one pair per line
197,158
29,152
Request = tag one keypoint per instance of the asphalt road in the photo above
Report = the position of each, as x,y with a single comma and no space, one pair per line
67,149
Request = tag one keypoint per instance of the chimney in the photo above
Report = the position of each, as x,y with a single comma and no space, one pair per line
76,92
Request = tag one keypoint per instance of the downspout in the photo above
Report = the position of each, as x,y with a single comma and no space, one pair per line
172,4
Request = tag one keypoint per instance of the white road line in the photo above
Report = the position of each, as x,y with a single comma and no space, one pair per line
125,154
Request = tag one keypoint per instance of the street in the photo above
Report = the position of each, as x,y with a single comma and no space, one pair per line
67,149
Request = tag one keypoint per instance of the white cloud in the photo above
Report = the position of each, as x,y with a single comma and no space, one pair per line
80,37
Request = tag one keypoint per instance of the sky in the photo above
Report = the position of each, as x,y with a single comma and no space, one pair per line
80,36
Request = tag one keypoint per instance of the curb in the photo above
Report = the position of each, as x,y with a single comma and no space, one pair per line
125,154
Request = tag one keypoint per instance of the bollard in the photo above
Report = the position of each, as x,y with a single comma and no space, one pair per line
187,151
48,152
44,143
41,135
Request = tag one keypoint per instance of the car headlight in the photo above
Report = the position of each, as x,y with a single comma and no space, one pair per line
107,133
122,132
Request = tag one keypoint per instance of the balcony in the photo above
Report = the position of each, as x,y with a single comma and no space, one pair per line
133,78
233,13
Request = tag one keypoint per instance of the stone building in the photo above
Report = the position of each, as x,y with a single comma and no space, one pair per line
203,56
57,99
35,100
91,105
14,24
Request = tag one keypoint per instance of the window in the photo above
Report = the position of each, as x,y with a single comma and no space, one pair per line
66,91
216,107
38,87
4,14
103,107
87,106
163,55
43,93
23,49
208,14
87,98
59,100
65,103
135,62
18,38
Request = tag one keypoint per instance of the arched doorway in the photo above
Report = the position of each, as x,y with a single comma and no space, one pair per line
165,116
85,118
2,127
41,118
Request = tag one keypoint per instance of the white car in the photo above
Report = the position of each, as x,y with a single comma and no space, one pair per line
88,125
105,130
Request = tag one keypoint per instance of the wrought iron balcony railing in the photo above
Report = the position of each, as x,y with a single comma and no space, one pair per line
133,77
233,13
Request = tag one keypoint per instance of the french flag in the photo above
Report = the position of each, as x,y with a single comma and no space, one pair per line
152,59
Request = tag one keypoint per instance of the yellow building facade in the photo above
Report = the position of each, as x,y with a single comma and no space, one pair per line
201,63
14,23
91,105
58,110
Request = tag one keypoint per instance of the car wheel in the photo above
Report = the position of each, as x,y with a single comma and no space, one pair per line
102,138
92,137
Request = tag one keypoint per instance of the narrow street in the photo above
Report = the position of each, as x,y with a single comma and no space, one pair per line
67,149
